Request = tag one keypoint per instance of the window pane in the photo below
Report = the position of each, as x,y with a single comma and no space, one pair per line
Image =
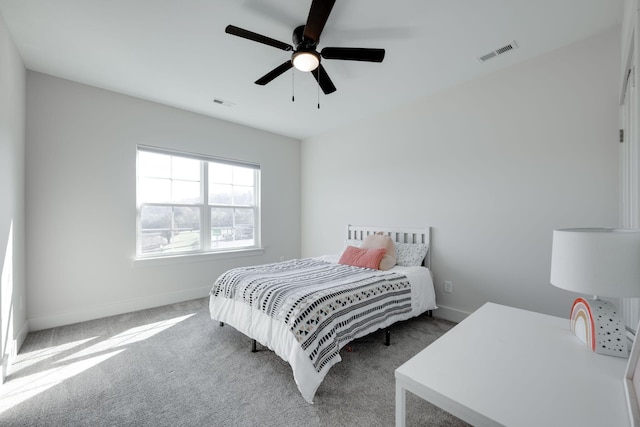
232,227
242,176
220,194
231,185
155,224
243,231
154,164
243,195
169,229
186,191
220,174
154,190
186,169
221,218
168,179
243,217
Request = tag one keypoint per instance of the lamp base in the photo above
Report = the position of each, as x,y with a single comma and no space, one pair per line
598,324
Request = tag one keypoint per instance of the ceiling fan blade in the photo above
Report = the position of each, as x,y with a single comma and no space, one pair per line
318,15
285,66
250,35
353,54
321,76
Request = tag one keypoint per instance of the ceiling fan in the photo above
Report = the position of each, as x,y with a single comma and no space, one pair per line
305,57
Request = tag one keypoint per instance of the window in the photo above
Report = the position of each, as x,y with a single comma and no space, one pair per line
188,203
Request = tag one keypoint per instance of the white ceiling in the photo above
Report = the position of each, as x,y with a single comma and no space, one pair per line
176,52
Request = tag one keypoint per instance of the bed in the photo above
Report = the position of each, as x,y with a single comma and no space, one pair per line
306,310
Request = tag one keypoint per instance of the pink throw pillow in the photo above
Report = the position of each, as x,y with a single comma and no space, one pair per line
365,258
375,241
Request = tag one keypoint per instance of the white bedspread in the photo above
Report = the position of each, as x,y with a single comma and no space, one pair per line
276,335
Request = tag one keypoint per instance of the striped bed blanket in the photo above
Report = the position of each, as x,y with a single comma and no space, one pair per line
324,305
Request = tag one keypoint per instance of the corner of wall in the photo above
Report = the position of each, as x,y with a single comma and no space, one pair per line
13,320
450,314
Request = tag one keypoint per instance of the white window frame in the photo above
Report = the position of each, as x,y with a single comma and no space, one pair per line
204,207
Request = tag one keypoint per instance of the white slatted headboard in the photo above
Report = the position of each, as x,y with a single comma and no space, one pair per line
397,234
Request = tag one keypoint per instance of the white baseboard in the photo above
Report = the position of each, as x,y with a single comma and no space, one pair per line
451,314
4,363
106,310
22,335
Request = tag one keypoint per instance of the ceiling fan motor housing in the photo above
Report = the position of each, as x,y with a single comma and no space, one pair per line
302,43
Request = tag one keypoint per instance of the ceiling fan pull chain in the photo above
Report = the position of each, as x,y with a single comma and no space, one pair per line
318,86
293,93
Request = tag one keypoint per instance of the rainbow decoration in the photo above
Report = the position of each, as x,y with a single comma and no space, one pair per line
582,323
598,324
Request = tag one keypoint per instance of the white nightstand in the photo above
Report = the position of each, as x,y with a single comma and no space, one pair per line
504,366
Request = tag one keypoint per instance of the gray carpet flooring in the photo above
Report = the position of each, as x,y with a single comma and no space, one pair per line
174,366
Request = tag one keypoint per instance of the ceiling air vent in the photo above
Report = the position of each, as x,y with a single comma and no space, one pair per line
499,51
222,102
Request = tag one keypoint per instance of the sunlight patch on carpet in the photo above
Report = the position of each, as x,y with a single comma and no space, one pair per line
130,336
58,365
24,388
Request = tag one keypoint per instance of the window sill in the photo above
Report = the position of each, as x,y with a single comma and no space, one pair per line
198,257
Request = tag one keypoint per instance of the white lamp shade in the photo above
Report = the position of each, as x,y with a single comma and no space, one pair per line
597,261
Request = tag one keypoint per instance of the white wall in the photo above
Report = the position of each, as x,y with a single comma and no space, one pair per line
629,149
81,149
13,317
492,165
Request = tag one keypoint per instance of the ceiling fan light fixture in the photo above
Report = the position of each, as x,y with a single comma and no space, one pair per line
305,60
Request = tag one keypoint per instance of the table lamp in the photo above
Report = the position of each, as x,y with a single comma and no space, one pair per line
600,262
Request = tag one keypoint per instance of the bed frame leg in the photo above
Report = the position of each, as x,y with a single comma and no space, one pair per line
387,338
254,345
221,324
429,313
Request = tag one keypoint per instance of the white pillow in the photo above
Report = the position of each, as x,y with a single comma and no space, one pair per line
375,241
410,254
